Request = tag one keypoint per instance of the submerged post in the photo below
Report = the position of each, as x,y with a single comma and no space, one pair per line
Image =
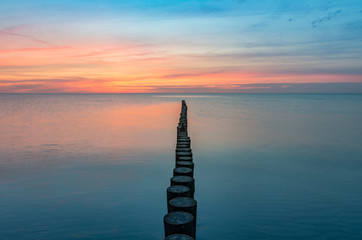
180,221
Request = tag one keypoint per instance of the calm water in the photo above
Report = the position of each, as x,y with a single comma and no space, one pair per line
96,166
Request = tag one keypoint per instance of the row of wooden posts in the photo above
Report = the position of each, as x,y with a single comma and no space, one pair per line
180,221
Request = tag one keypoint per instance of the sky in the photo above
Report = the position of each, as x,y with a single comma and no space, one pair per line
190,46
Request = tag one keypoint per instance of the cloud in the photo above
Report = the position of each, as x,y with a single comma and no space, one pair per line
10,32
49,85
19,50
198,74
87,85
347,87
326,18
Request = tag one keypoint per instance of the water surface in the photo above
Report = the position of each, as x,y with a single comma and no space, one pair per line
96,166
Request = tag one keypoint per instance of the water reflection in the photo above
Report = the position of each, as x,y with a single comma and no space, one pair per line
53,125
96,166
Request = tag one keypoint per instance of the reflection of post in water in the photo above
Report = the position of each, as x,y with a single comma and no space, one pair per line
180,221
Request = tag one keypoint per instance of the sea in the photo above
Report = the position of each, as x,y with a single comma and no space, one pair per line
96,166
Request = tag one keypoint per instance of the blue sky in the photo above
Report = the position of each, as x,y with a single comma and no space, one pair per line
214,45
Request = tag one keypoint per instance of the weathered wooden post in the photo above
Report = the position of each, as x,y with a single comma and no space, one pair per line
177,191
179,222
183,154
185,181
183,171
185,158
183,145
188,164
183,204
183,150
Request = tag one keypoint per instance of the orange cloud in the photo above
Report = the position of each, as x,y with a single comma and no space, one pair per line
130,67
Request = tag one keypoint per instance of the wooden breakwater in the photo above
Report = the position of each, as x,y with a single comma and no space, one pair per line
180,221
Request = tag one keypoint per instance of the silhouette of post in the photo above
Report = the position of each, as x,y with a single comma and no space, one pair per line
180,221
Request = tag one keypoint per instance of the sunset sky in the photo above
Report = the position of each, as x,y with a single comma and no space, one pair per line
180,46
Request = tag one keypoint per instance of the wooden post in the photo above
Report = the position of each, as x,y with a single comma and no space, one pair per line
183,150
183,171
183,154
185,181
188,164
179,222
185,139
182,145
184,204
177,191
185,158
